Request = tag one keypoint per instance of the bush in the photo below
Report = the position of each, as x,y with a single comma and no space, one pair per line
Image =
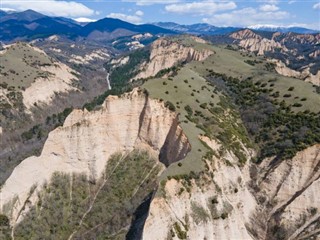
170,105
290,88
203,105
4,221
297,105
188,110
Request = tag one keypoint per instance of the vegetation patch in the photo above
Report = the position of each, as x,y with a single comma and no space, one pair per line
199,214
274,127
78,206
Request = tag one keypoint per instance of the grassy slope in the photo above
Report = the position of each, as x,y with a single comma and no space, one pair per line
180,97
20,65
231,63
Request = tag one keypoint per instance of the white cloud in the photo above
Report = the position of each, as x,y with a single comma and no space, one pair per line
316,6
291,2
151,2
269,8
200,8
269,1
246,16
84,19
125,17
50,7
139,13
8,9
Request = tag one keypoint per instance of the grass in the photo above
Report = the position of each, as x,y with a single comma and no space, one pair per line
195,101
199,214
190,88
20,65
182,95
231,63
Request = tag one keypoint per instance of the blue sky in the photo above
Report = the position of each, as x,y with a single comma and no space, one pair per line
305,13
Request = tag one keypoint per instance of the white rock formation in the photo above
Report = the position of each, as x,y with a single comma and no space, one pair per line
87,139
228,187
305,74
290,188
43,90
119,62
166,53
99,54
255,43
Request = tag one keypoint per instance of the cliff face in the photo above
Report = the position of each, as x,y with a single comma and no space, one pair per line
288,195
166,53
86,141
43,90
217,205
35,75
268,201
305,74
256,43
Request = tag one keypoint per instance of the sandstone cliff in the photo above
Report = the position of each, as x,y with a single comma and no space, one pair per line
304,74
268,201
60,79
256,43
29,71
86,141
166,53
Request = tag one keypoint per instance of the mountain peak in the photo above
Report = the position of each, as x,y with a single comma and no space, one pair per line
28,15
283,29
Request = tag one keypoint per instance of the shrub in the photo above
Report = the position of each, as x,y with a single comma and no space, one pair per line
203,105
170,105
4,221
297,105
290,88
188,110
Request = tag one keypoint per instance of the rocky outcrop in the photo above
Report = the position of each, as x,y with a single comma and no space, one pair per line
304,74
166,53
273,200
315,54
314,79
256,43
217,205
86,141
37,76
43,90
300,38
291,204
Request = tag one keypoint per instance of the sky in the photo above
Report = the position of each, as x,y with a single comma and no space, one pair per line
237,13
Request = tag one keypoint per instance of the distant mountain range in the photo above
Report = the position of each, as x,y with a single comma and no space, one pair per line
274,28
207,29
28,25
199,28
